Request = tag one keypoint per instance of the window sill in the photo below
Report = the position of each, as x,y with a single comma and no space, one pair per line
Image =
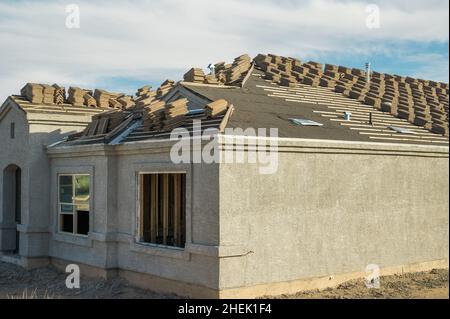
160,251
73,239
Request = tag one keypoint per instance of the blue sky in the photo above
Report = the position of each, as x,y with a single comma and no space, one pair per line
122,45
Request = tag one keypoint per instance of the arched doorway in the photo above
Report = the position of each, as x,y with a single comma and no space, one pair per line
12,198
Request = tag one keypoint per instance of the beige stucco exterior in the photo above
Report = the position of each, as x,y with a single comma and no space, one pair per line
331,209
34,130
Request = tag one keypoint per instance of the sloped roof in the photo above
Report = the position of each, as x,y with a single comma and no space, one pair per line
270,91
263,104
421,102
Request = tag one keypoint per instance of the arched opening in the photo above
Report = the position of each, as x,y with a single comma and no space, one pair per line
12,184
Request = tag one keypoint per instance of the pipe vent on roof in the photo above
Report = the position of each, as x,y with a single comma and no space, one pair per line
368,72
212,68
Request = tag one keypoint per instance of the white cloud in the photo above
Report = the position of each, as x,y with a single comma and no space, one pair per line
434,66
138,39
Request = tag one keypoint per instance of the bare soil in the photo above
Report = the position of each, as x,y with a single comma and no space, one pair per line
49,283
424,285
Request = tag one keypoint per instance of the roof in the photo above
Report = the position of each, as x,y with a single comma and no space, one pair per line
264,104
269,91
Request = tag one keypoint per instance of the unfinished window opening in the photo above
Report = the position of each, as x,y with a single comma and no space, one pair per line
304,122
73,204
13,130
163,209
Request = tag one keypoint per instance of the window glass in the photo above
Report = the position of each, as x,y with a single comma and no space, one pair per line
65,189
82,223
82,193
74,195
67,223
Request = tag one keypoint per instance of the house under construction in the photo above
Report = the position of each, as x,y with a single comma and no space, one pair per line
362,178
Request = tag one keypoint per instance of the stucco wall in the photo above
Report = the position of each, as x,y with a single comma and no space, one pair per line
112,242
13,152
201,218
33,132
333,208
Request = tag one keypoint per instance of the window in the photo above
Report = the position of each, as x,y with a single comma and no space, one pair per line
13,130
163,207
304,122
401,130
73,204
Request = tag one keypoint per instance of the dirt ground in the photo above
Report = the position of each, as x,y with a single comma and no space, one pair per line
48,283
425,285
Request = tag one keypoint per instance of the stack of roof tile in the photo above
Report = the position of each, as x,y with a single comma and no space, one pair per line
126,101
224,74
423,103
211,79
221,69
175,113
114,103
239,69
104,123
195,75
48,94
33,93
154,115
145,96
165,88
60,94
77,96
89,100
216,108
290,71
106,99
55,94
143,90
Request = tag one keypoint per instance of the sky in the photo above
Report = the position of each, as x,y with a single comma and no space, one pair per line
123,45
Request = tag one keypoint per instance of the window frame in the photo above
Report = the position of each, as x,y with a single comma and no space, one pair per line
139,235
74,213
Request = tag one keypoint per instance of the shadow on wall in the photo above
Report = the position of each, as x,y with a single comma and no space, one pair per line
30,166
11,207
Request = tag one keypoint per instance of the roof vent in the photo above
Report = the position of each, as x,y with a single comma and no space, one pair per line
303,122
212,68
347,116
401,130
368,72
